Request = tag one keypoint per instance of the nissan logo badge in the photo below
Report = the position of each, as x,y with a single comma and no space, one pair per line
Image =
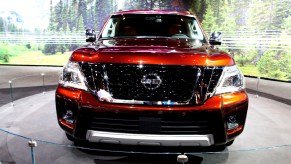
151,81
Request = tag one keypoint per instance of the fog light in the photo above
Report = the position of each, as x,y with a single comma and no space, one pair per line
69,117
232,122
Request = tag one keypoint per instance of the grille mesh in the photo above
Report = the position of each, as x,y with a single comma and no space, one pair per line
192,84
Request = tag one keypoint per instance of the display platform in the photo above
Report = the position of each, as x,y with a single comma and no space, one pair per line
266,137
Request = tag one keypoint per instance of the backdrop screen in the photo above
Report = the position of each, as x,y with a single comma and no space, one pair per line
256,33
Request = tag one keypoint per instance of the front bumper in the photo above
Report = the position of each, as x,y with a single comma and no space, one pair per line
216,111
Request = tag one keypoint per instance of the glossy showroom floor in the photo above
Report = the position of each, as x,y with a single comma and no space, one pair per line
266,137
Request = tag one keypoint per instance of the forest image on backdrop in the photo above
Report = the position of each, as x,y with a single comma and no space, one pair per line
257,33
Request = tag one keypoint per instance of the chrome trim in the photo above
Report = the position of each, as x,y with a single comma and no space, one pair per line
121,101
106,96
149,139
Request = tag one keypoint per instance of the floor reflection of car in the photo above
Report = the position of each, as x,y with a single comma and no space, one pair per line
152,78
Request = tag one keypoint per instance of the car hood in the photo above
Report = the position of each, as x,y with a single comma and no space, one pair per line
152,51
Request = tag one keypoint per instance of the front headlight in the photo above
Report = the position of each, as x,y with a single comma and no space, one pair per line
232,80
71,76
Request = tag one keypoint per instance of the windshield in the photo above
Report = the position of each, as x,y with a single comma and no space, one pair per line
152,26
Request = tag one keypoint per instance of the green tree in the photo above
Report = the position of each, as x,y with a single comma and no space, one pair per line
226,18
65,19
241,13
209,23
80,24
260,15
282,10
244,57
72,14
56,20
215,6
163,4
285,63
199,8
102,11
82,15
1,25
50,49
286,24
275,64
4,52
61,47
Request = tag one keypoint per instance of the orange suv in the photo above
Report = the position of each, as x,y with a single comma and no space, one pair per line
152,78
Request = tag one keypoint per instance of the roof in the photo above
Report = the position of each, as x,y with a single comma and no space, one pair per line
183,13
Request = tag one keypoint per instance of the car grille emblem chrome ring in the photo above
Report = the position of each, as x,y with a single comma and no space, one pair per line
151,81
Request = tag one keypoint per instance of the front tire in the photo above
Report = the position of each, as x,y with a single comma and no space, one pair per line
229,143
222,147
69,137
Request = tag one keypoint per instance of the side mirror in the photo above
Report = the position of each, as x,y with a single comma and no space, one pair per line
215,38
90,35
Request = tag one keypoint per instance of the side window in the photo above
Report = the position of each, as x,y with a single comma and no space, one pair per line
109,30
195,32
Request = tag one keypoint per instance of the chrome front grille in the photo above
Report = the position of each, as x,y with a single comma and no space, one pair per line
188,85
